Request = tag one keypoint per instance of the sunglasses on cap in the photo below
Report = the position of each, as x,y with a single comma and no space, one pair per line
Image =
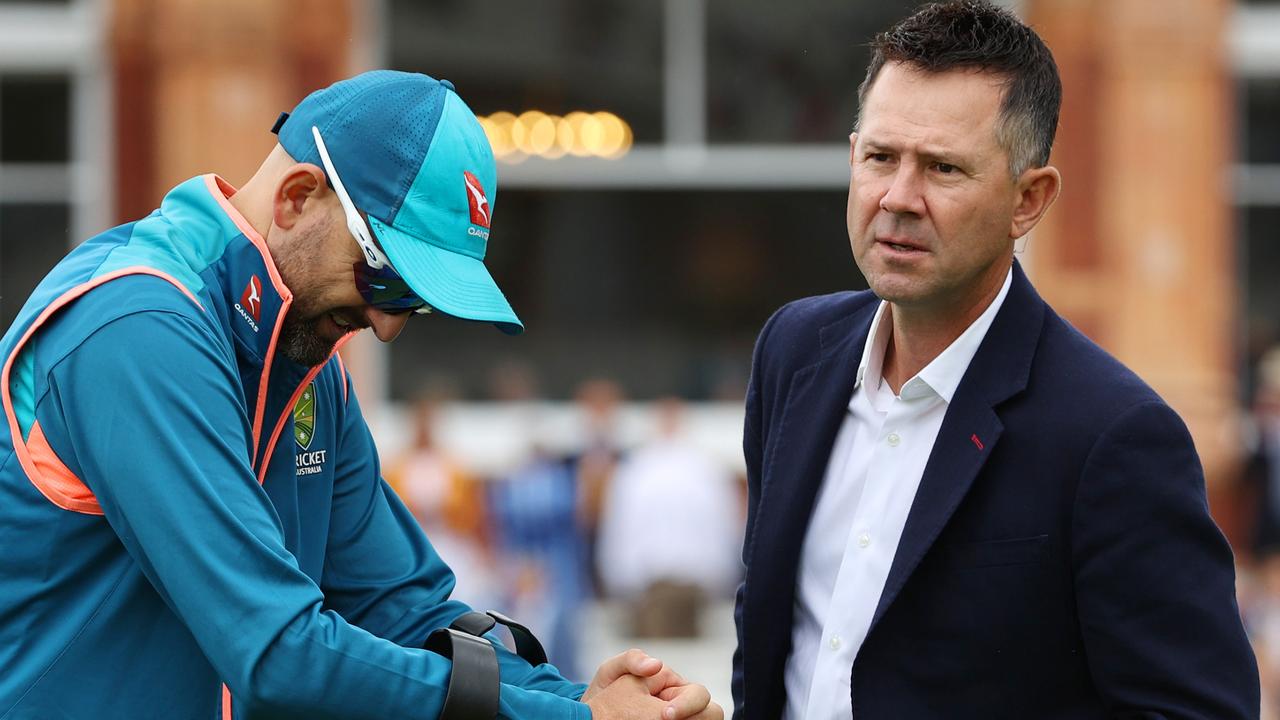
378,283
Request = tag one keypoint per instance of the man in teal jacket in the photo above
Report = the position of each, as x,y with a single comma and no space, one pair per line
192,519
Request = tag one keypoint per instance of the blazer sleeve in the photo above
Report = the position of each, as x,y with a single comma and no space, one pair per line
1155,580
753,434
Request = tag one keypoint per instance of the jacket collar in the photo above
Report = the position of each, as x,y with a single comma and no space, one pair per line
201,238
256,298
970,430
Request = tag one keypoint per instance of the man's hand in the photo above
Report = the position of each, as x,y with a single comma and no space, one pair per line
626,698
681,700
632,662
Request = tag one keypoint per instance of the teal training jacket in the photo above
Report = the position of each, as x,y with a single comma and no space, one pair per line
193,526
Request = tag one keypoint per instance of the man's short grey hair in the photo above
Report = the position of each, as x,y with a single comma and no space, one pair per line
976,35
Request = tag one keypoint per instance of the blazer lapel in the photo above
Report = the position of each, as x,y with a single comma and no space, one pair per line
970,429
793,470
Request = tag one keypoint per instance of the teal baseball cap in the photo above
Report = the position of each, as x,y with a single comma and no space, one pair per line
415,160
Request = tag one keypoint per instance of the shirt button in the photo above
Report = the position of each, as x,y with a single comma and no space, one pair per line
864,540
893,439
834,642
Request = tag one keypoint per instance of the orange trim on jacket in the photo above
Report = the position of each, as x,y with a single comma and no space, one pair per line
50,476
293,400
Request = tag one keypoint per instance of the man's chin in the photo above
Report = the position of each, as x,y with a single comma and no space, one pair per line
895,288
302,343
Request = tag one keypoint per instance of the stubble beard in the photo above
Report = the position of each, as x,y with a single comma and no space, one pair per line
301,343
300,338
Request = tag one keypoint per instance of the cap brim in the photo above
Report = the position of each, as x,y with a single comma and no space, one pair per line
450,282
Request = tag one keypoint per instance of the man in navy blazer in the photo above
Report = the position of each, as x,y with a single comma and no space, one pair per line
960,507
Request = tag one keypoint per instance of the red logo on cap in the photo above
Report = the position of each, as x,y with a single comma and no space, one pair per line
476,199
251,299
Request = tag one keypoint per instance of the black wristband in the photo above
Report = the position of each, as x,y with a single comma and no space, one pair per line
474,681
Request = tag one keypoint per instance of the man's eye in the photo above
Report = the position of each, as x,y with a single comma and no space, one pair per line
878,157
946,169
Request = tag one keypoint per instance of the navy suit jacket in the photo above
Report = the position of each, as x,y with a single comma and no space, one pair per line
1059,560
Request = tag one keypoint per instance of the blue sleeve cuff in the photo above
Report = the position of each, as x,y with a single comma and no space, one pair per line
522,704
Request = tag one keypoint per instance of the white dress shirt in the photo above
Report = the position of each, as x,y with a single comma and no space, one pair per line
875,467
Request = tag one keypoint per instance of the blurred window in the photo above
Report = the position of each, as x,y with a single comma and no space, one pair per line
1256,41
775,72
608,284
789,72
1261,107
35,118
556,57
33,236
1262,254
55,188
35,195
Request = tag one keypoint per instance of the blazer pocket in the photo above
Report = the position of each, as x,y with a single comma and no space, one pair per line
999,553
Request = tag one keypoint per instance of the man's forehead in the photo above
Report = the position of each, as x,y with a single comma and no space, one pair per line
940,107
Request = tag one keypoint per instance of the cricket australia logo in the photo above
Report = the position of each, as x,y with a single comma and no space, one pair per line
309,462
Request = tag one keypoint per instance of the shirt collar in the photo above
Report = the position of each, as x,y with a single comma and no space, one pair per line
872,361
944,373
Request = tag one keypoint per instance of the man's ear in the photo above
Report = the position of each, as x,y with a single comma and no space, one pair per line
853,142
1037,189
300,183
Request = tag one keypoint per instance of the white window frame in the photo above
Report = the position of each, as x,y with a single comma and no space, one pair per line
1254,53
65,39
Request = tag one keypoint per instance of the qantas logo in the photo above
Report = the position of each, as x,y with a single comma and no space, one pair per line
251,299
478,202
250,305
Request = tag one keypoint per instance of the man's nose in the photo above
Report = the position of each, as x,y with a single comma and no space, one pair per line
905,195
386,326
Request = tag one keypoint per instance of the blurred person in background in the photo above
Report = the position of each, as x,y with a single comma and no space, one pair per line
959,506
1262,470
512,382
686,505
536,527
152,504
597,401
449,503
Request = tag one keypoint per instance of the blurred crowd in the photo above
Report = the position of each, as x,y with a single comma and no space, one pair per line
653,525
